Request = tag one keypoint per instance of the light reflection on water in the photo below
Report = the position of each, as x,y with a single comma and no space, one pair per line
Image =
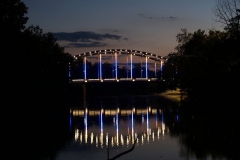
123,129
116,124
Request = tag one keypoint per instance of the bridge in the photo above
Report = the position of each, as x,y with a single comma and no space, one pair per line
115,65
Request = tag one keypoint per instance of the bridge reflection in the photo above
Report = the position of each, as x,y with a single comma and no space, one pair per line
118,127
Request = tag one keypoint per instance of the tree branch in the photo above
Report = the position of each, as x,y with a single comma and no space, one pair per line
119,155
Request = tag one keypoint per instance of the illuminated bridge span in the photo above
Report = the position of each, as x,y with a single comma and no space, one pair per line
135,69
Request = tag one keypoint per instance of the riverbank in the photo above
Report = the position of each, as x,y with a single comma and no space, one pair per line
174,95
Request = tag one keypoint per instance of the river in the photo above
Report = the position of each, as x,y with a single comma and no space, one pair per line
133,127
105,127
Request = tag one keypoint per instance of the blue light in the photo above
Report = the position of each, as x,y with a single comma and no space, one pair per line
100,65
70,121
116,65
86,120
101,121
85,68
69,71
117,121
146,68
131,67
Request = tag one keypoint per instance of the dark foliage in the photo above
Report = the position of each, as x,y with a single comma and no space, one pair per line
206,66
34,78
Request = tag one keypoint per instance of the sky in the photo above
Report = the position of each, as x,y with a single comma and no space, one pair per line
144,25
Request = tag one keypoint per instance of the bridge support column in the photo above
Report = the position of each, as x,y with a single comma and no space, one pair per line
85,67
146,67
116,65
131,67
127,66
161,69
100,67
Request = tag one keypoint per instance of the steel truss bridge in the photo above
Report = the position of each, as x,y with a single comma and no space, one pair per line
115,54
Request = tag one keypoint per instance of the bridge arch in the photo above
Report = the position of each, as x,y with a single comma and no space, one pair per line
115,53
122,51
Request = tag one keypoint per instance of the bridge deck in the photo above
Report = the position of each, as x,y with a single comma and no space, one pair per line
112,80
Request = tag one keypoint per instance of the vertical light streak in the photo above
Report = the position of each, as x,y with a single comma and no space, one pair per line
85,67
101,121
122,140
112,67
155,69
96,141
91,137
156,119
147,119
153,137
148,124
100,65
112,142
141,66
80,137
161,65
107,139
70,121
116,65
132,127
76,134
131,66
98,70
163,124
69,70
101,135
86,126
117,137
127,66
146,68
161,68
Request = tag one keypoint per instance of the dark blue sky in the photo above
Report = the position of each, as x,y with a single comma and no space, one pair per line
144,25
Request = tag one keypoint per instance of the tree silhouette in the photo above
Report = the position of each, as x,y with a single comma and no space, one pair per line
12,16
227,12
203,61
34,74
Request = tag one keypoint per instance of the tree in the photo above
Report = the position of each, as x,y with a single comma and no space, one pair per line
201,60
227,12
34,78
30,57
12,16
48,59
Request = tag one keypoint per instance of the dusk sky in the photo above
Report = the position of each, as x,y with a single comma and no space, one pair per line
144,25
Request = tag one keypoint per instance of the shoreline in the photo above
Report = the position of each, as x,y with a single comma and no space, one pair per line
174,95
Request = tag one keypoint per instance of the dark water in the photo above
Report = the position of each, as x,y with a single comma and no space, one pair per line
106,126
